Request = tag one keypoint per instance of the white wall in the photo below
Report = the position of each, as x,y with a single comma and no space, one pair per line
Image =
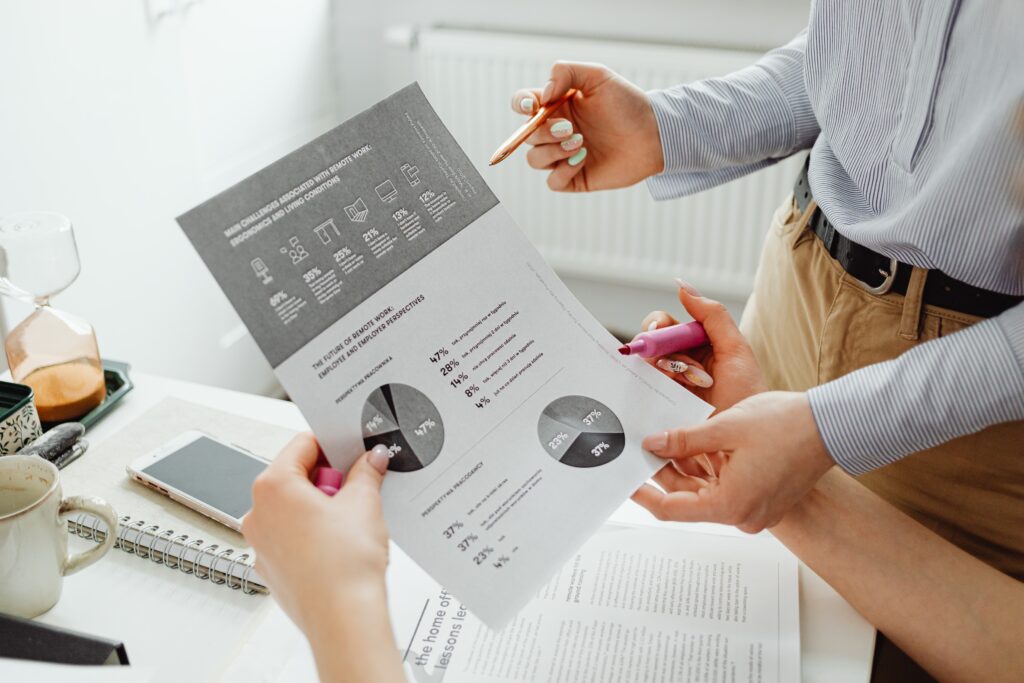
368,68
122,122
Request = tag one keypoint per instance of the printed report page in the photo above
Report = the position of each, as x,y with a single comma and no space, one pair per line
400,305
633,604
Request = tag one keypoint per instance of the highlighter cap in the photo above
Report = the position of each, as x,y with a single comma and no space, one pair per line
329,480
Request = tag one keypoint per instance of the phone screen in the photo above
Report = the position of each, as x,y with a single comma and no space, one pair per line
211,472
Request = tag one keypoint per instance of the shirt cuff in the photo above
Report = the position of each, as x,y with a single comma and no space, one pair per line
673,185
679,178
936,392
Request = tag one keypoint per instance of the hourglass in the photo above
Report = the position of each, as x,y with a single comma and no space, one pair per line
51,351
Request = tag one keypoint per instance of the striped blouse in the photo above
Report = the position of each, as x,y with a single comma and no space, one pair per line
910,108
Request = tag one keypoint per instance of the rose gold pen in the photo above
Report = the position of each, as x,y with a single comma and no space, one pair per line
528,128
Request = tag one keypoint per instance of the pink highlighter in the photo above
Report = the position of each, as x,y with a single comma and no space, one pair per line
666,340
329,480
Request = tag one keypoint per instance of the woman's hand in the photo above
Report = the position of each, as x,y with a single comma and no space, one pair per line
724,373
604,138
764,446
315,551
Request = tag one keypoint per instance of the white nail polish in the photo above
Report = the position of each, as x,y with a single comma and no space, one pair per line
379,458
561,129
698,377
672,365
527,105
686,286
653,326
572,143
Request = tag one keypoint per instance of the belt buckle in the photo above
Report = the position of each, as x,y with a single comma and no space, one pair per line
886,284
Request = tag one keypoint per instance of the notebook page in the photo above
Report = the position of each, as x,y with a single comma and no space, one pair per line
182,628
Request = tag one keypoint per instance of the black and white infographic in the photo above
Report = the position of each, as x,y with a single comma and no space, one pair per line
404,420
581,432
399,304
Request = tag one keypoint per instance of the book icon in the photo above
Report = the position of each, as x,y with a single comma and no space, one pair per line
356,211
387,191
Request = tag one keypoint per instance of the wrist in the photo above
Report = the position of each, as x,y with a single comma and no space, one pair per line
351,635
813,444
346,608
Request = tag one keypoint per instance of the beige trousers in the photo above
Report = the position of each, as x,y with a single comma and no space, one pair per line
810,322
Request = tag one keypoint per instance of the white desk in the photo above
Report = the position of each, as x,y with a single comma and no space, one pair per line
836,642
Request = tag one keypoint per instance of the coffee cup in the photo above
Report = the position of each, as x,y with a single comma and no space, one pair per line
34,555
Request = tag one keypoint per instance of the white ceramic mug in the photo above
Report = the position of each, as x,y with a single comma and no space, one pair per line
34,537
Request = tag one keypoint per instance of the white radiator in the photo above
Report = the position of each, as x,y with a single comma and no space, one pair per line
622,237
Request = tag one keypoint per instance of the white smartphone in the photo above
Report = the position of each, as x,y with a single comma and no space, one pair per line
209,476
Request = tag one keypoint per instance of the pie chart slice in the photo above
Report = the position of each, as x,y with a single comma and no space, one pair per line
377,416
555,436
405,421
594,449
580,432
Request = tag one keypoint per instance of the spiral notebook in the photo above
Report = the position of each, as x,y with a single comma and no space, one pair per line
155,528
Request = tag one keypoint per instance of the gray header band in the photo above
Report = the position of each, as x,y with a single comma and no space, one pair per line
299,244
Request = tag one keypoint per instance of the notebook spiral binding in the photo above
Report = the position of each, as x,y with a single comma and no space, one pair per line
207,562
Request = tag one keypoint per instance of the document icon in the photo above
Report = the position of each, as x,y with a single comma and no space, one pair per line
356,211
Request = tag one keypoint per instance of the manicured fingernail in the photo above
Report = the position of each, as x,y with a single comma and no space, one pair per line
672,365
561,129
379,458
527,105
653,326
548,90
656,442
698,377
686,286
577,158
572,143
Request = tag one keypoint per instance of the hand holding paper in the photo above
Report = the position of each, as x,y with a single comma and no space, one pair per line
423,321
752,491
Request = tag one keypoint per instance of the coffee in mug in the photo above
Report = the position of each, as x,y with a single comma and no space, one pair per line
34,538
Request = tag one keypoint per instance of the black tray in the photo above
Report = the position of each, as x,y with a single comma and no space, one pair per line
115,373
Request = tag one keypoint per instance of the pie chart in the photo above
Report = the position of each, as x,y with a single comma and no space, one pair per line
580,432
403,419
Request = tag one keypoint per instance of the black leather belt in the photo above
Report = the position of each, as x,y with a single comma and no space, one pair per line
879,274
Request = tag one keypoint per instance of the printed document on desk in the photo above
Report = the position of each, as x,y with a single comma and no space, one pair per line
633,604
400,305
